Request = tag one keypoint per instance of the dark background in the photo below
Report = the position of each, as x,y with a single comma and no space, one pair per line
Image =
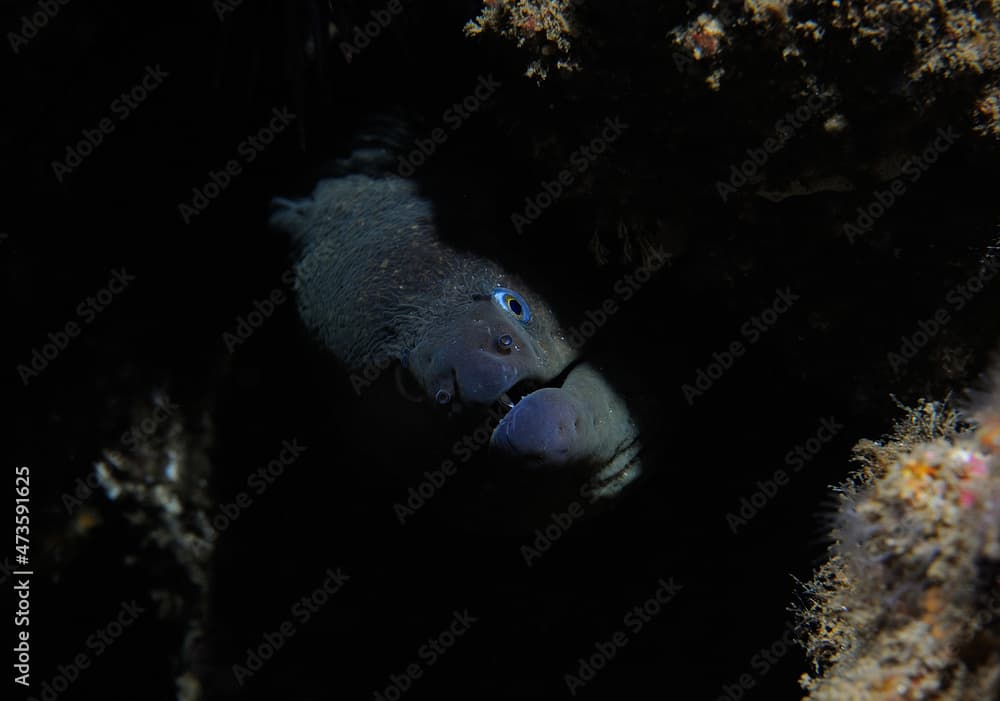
825,357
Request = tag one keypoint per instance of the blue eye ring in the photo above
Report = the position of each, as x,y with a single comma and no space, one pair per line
512,303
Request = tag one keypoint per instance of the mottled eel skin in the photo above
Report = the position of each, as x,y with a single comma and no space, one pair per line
373,279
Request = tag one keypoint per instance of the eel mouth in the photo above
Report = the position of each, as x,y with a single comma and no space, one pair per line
572,423
542,425
566,424
552,427
509,400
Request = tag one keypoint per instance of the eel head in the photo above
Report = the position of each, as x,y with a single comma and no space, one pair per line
477,357
554,412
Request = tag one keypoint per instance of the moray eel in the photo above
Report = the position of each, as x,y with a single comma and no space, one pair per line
374,281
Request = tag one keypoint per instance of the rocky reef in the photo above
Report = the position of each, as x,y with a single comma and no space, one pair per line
907,605
821,177
870,82
928,51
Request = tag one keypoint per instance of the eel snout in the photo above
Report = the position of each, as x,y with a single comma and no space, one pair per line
583,422
544,430
476,363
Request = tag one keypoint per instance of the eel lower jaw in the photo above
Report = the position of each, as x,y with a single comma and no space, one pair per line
513,396
542,430
576,423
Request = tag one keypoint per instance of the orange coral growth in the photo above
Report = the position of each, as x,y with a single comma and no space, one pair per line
988,436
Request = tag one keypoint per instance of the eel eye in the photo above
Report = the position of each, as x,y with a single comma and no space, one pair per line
512,303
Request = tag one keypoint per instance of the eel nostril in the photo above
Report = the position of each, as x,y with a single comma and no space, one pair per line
505,342
443,396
